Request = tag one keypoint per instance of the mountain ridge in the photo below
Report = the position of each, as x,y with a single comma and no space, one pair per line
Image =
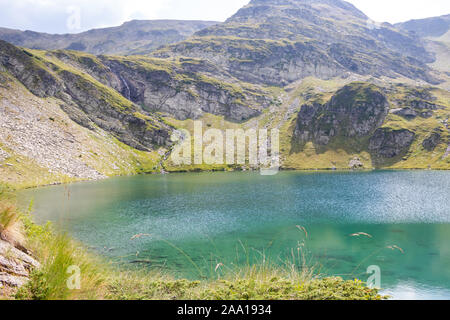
344,93
428,27
129,38
276,42
434,33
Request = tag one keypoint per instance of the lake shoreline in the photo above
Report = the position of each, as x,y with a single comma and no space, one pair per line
326,170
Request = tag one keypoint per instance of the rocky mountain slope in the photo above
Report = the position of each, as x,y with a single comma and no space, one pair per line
59,123
430,27
434,33
132,37
343,93
355,111
90,103
279,42
68,115
183,88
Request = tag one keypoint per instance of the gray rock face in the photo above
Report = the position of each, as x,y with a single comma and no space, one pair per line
183,94
417,105
276,63
124,124
354,111
27,70
432,141
407,113
15,266
388,143
277,42
184,88
423,105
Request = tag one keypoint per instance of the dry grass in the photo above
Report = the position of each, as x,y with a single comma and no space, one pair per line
11,227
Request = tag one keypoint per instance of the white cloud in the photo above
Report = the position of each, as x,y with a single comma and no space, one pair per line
215,10
402,10
52,15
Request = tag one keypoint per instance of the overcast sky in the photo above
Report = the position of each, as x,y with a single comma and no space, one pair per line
61,16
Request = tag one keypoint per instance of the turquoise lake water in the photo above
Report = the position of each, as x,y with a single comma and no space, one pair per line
192,222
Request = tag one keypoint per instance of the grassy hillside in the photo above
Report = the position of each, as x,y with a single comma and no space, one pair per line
45,146
340,152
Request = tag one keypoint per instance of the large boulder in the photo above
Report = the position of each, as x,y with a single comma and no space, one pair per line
407,113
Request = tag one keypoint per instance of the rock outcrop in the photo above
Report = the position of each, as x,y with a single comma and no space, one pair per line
416,103
182,88
15,267
389,143
407,113
357,118
432,141
355,164
178,89
355,111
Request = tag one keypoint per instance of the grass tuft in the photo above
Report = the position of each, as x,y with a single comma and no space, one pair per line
11,228
61,259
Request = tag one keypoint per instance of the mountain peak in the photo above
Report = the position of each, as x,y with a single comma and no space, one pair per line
327,8
295,39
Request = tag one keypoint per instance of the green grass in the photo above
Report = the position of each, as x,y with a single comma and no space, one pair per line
58,254
84,81
254,285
